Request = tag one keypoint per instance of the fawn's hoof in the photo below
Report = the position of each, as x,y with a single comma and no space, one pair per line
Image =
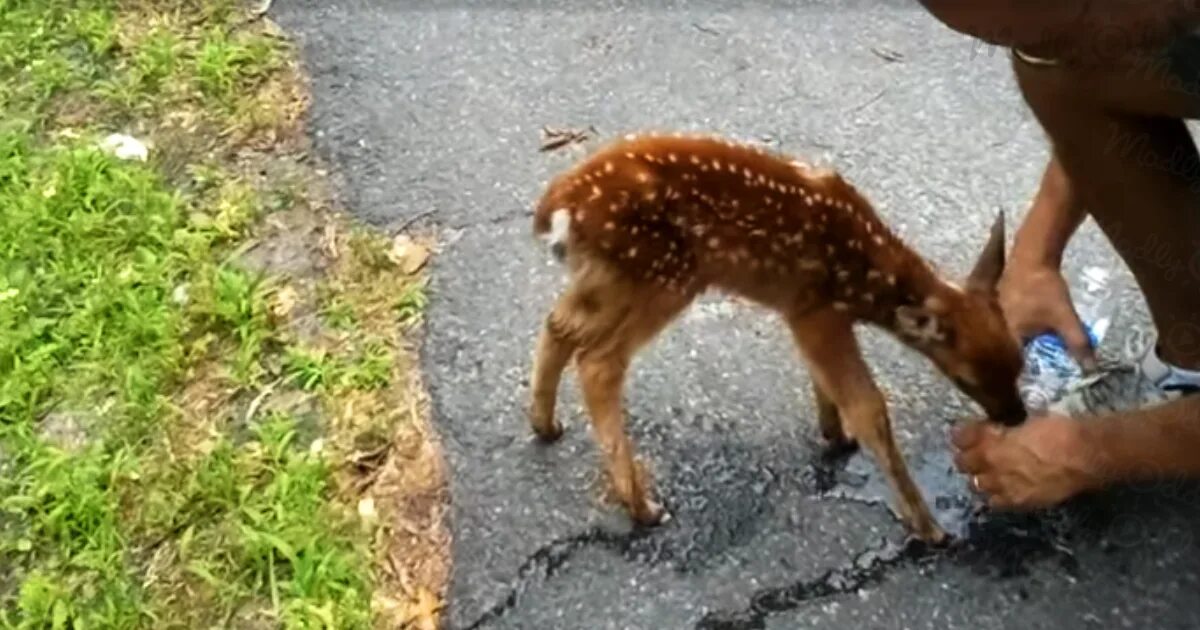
548,433
839,448
651,514
545,426
933,536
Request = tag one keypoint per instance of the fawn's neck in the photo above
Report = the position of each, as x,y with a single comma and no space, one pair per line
875,272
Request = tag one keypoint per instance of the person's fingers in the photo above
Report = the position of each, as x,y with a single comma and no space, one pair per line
969,435
987,484
1071,329
971,461
1000,501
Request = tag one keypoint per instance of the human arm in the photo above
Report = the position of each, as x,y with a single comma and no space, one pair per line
1052,458
1148,444
1053,218
1033,293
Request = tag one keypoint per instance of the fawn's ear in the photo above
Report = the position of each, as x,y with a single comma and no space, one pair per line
923,324
990,264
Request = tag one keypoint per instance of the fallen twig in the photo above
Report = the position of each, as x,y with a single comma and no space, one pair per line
258,400
870,102
414,219
887,54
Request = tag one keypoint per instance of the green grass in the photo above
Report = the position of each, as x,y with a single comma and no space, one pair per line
118,290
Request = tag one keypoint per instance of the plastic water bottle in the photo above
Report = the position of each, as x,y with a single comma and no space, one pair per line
1049,368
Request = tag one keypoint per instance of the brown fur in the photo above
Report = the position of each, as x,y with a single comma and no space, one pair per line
657,220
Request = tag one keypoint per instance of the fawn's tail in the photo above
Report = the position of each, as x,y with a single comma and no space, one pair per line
552,221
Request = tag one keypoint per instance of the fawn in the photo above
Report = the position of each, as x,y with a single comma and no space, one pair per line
648,223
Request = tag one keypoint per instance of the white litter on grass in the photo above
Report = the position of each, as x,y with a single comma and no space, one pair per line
125,147
180,294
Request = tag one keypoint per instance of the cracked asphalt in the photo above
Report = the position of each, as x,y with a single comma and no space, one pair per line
431,111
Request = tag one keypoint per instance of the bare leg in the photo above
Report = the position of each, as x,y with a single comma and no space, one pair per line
1120,137
828,343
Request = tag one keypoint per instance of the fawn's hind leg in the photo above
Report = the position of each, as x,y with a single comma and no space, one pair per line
827,340
602,321
603,365
554,349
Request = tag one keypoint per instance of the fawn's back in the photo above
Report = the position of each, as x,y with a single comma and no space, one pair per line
689,212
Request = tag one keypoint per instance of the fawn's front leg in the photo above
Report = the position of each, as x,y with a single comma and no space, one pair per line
829,419
835,361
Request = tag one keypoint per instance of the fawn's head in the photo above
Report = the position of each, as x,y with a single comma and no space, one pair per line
964,332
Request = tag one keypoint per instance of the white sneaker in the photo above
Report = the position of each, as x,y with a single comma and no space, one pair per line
1141,381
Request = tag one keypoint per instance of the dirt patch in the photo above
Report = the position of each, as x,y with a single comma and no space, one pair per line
391,465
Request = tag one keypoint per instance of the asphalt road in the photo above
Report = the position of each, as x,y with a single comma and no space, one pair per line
432,112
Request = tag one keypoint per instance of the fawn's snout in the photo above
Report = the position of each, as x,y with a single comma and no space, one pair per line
965,333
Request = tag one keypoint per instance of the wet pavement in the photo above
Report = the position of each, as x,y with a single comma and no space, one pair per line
432,112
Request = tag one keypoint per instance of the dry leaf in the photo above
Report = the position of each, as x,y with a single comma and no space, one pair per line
284,301
557,138
407,254
329,241
422,613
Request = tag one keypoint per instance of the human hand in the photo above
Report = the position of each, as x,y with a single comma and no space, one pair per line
1035,465
1035,300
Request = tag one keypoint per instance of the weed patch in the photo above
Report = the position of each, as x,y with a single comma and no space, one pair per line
210,414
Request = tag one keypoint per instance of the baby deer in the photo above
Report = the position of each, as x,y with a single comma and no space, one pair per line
648,223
